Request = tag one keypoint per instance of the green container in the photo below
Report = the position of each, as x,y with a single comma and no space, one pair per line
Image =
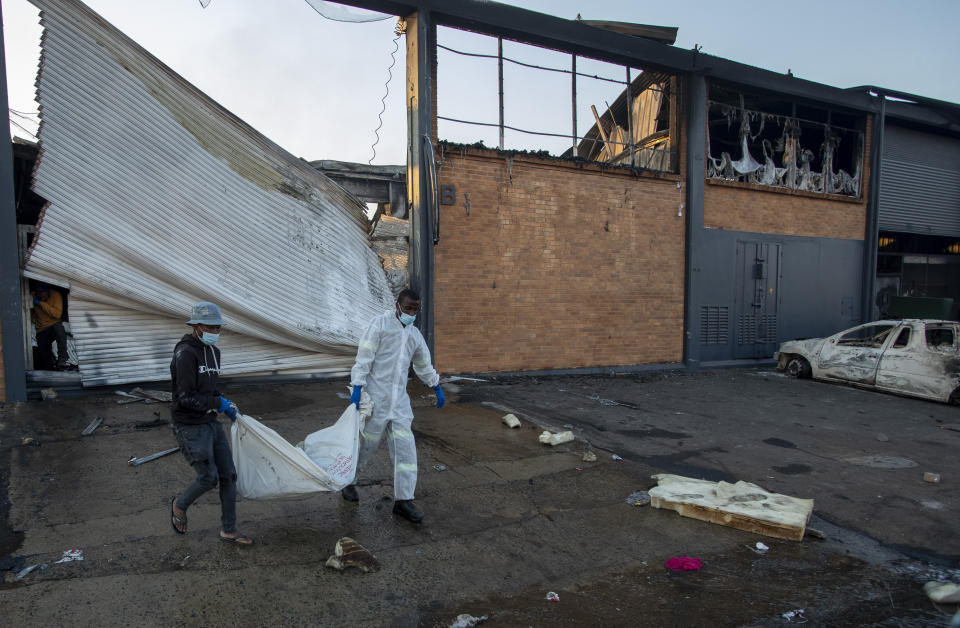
920,307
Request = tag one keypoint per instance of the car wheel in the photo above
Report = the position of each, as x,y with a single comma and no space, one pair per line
798,367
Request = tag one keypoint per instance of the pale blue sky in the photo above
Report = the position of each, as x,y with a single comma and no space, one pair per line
314,85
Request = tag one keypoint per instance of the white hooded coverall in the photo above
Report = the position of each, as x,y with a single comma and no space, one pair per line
386,351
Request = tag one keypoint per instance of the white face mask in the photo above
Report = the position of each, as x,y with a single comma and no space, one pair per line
209,339
405,319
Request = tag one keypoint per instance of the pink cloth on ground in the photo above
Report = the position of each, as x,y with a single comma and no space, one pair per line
684,563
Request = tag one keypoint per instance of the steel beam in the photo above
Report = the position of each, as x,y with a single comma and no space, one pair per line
11,319
872,232
421,48
695,88
501,20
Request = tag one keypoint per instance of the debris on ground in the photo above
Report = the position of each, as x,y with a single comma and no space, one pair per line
439,467
465,620
589,456
943,592
48,394
136,462
796,614
932,478
145,425
759,548
683,563
638,498
348,553
94,424
26,570
616,457
602,401
511,420
553,597
955,427
548,438
817,534
70,555
146,396
882,437
26,440
743,505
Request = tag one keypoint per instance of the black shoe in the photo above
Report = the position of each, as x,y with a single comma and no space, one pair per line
404,508
350,493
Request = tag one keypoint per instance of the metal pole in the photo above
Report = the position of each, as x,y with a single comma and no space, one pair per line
421,50
696,89
11,319
500,80
630,143
872,235
573,89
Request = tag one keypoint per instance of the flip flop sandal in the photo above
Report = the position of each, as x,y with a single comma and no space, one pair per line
174,519
238,540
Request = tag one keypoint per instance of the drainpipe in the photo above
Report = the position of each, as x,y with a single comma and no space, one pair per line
696,106
872,232
11,319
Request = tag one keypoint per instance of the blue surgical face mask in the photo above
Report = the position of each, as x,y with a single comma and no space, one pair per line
407,319
209,339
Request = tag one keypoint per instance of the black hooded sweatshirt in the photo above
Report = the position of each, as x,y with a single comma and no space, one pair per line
194,371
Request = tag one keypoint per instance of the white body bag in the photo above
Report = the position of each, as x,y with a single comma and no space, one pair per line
269,467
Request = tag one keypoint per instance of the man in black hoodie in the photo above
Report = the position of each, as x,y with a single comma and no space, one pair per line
196,402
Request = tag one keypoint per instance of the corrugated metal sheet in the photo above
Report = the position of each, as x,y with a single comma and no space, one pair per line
920,183
159,197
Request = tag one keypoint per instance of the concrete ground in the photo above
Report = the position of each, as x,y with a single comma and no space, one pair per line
508,520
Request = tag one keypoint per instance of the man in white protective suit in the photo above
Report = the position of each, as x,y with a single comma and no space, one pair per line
387,348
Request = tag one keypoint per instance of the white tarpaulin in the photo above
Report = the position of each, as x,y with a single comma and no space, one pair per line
269,467
159,197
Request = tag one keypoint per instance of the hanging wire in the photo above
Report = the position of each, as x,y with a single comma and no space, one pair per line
383,101
530,65
23,128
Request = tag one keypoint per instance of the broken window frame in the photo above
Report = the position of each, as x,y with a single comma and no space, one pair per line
777,128
615,138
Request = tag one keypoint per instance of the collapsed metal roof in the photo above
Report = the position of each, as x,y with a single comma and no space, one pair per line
159,197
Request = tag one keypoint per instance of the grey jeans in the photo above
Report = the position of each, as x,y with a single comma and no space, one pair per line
206,448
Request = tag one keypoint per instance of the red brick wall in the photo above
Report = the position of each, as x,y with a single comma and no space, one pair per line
761,211
556,266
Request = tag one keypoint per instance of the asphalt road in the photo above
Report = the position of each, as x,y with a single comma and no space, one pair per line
508,519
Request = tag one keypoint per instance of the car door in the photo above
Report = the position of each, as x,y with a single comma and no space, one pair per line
899,364
928,367
854,355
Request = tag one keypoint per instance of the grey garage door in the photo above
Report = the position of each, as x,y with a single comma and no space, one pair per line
920,182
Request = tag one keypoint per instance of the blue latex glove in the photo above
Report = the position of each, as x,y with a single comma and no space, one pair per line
355,396
440,398
36,300
229,407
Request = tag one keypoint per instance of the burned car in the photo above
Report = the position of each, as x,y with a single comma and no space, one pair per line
909,357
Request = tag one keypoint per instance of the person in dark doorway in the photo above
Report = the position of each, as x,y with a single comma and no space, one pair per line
194,370
387,348
47,315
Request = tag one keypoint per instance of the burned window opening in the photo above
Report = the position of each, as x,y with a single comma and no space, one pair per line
781,143
601,127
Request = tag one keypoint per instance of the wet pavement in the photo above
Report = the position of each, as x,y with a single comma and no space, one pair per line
508,520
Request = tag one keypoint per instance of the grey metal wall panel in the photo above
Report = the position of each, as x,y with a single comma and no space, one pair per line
920,182
159,197
819,286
